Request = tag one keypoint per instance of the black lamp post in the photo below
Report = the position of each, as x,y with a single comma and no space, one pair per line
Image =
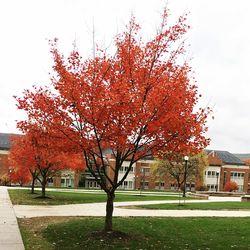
142,179
186,158
217,180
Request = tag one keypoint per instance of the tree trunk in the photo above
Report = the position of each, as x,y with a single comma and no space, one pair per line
33,185
178,186
43,187
109,212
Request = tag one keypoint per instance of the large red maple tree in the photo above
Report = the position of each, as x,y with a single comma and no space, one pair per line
132,104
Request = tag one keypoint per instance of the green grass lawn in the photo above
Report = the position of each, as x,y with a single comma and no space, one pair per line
200,206
141,233
24,197
162,191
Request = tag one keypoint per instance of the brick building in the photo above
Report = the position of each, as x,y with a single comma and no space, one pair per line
4,151
224,167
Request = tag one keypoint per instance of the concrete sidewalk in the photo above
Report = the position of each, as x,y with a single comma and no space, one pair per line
10,237
98,209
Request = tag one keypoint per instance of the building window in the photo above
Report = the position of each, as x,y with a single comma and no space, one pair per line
211,187
146,184
125,169
211,174
240,188
237,175
127,185
50,180
146,171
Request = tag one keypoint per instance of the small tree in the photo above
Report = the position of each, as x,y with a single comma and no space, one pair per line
172,166
37,154
22,160
231,186
19,175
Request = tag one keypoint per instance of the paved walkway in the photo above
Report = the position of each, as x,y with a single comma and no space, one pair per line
10,237
98,209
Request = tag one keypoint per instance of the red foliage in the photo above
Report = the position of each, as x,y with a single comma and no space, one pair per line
136,103
35,150
21,153
36,154
20,175
231,186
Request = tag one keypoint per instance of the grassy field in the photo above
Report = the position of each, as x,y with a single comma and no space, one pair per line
138,233
24,197
200,206
118,190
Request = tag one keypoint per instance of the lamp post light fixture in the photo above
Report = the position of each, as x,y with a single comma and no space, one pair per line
186,158
217,180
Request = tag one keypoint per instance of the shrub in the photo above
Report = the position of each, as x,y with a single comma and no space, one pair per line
231,186
4,180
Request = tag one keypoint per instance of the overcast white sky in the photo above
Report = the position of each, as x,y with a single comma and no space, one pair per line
219,38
